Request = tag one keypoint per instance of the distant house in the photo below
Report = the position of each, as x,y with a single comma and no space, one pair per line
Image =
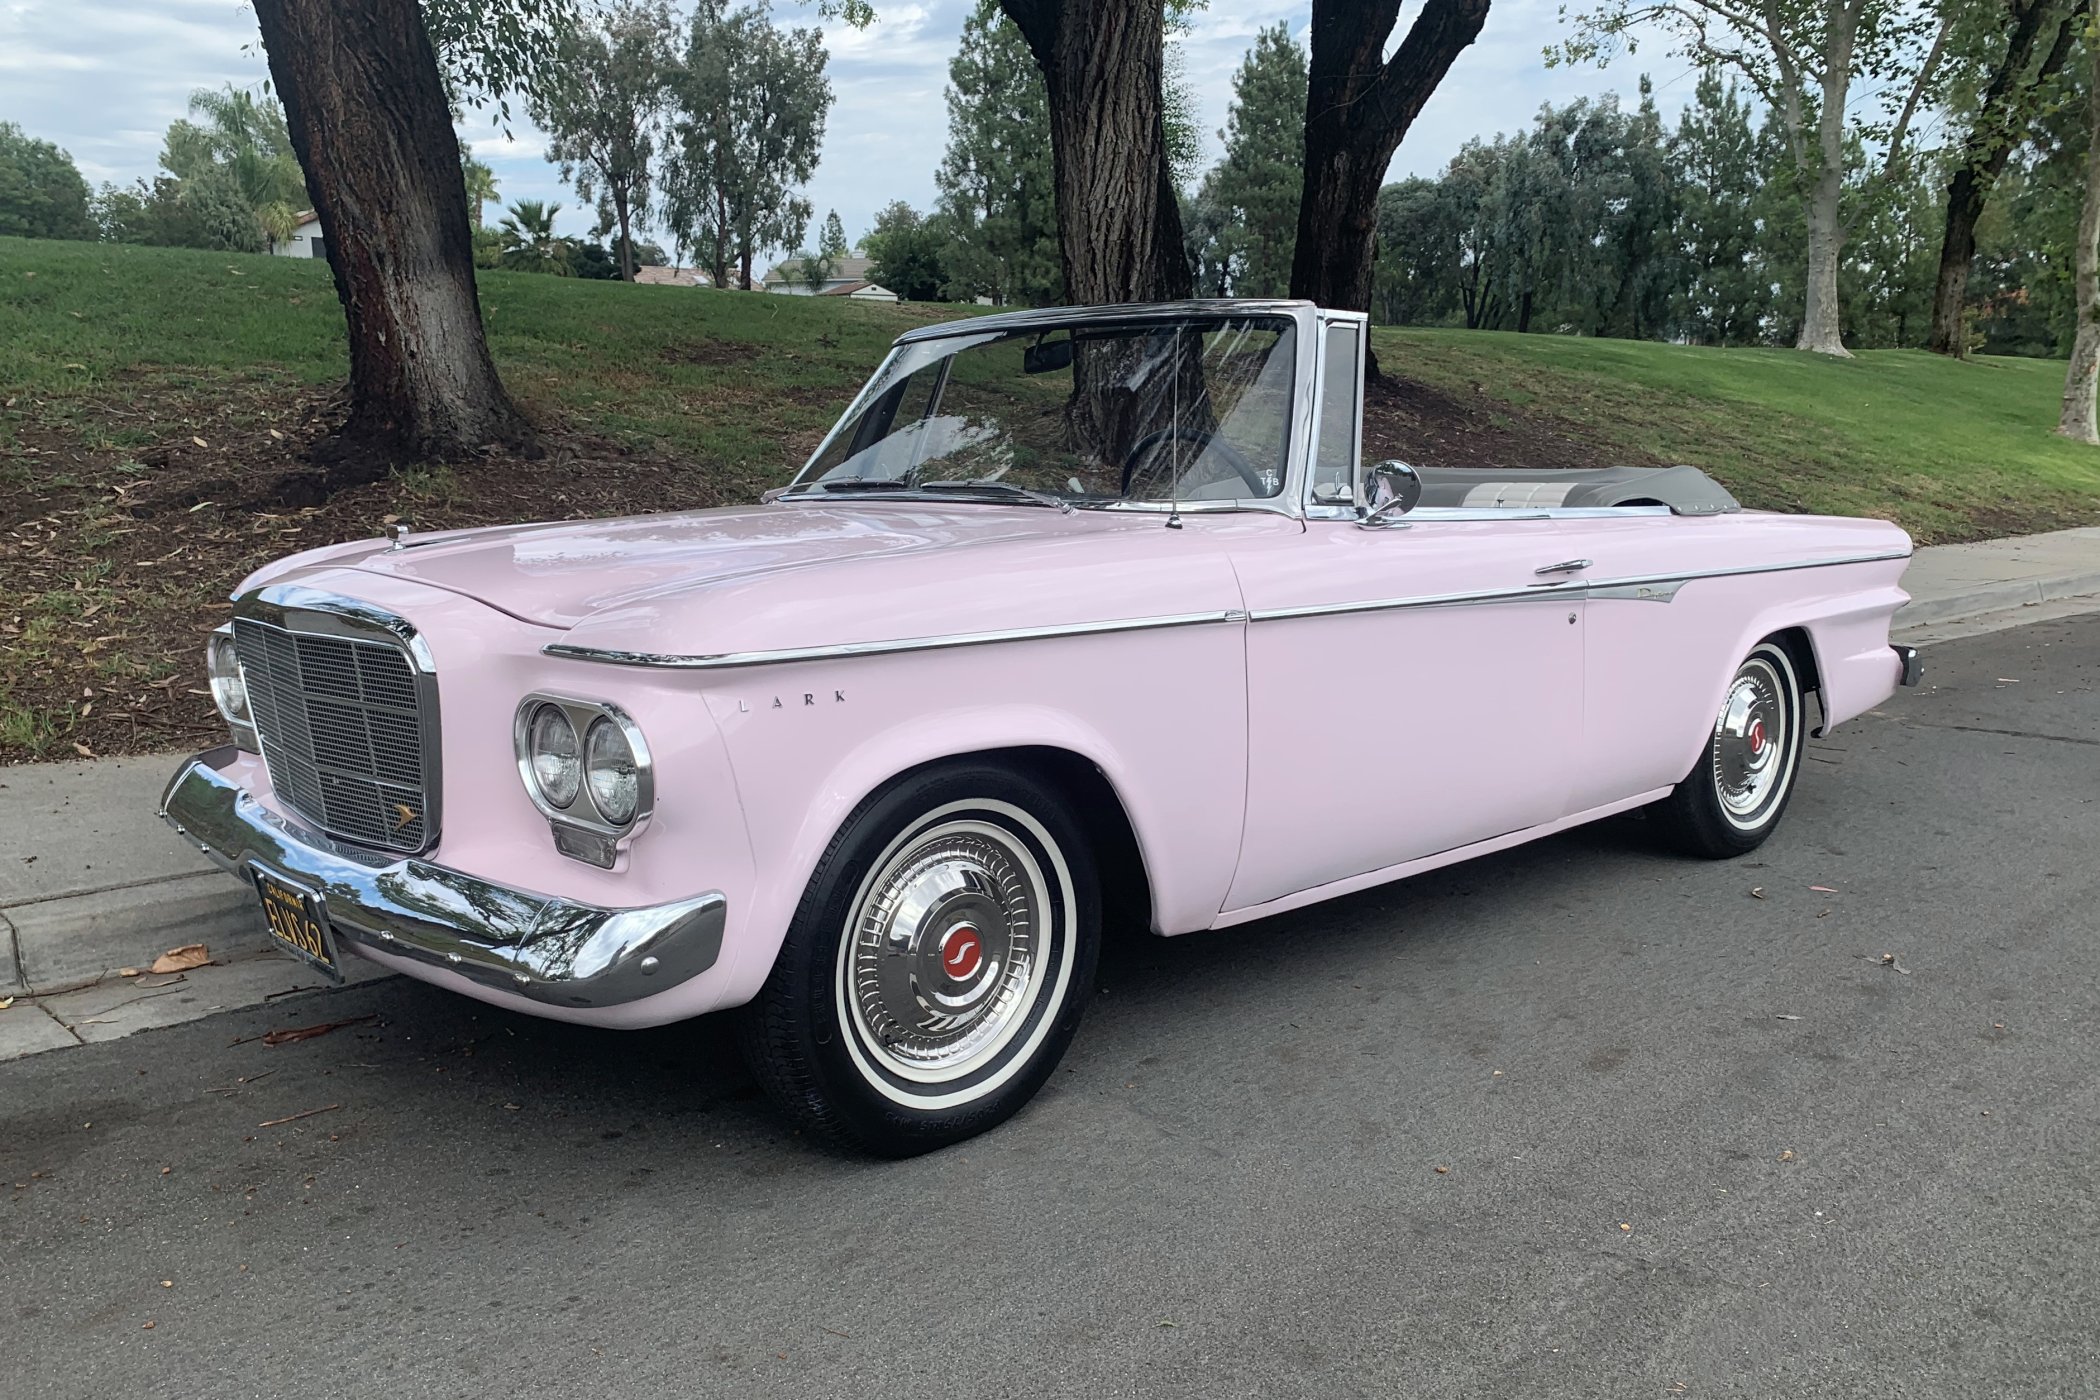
849,278
305,241
671,277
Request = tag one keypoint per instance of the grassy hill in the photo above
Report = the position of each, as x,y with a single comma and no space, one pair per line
1950,451
156,407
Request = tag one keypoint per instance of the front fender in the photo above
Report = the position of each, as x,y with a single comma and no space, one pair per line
1162,715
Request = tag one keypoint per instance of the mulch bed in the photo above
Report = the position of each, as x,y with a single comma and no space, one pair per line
125,523
116,561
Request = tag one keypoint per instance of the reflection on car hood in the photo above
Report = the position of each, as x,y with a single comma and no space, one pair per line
559,575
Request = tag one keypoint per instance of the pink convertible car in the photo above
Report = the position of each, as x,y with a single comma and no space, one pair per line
1076,614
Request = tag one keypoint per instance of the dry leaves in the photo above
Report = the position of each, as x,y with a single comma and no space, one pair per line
181,959
297,1033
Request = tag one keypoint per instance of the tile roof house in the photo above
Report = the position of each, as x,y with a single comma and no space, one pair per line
305,241
849,278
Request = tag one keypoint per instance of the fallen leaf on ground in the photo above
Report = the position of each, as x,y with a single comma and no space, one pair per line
1443,1171
1787,1155
1822,889
1624,1226
83,750
128,971
200,442
1784,1017
287,1036
6,1002
1757,891
181,959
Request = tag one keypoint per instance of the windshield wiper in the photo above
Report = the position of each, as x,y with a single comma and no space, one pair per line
1004,488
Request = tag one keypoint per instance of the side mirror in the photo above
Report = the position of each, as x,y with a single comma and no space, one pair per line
1391,490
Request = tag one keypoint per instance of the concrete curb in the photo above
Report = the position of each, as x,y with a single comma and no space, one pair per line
76,940
1989,598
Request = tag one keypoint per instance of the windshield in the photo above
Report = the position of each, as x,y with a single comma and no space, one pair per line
1193,409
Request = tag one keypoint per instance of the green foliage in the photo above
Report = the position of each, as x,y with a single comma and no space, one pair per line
42,194
481,185
605,106
1246,222
1573,226
997,188
752,100
1722,297
819,267
530,243
904,249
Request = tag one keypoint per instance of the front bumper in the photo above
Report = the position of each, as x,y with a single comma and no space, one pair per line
530,945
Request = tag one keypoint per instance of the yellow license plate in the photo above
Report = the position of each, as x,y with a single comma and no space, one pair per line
297,922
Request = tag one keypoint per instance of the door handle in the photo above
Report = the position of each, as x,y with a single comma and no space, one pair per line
1565,566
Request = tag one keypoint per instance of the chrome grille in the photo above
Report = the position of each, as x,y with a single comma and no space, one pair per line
342,726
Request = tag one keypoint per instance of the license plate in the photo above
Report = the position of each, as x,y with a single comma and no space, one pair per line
297,922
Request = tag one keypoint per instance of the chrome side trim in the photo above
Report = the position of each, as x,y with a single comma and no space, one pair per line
1658,588
1652,588
536,946
727,660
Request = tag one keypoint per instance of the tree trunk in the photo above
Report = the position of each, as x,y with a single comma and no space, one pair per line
626,240
1118,218
2080,420
1821,328
1999,127
1358,105
370,124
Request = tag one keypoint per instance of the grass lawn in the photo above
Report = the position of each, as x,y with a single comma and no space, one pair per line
157,406
1950,451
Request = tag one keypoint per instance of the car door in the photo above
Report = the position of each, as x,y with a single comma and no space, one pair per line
1410,689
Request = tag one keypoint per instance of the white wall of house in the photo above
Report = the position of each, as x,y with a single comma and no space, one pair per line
305,242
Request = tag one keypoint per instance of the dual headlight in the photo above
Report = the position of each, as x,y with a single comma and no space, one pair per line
586,767
229,689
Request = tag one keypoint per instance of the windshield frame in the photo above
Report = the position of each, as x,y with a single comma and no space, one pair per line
926,345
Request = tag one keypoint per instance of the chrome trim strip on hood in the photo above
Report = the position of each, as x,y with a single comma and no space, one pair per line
730,659
1664,585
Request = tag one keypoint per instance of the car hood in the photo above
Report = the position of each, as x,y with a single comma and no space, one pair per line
560,575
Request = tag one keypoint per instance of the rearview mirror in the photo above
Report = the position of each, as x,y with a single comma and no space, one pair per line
1390,491
1045,356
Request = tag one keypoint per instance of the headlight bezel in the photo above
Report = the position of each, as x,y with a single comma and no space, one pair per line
582,829
229,688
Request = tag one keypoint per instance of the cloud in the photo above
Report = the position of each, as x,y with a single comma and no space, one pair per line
105,79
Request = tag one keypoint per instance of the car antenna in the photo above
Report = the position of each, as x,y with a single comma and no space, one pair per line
1174,462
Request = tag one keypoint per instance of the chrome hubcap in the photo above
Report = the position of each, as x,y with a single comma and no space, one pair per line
946,957
1751,740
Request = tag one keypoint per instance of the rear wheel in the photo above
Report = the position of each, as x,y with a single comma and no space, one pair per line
1738,790
937,966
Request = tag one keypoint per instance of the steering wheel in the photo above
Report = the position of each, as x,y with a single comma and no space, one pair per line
1232,455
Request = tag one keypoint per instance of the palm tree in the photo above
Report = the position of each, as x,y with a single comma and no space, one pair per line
530,243
481,185
245,137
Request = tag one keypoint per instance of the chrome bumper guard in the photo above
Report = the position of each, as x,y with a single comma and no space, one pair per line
531,945
1913,669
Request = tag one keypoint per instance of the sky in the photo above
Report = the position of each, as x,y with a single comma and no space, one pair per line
104,80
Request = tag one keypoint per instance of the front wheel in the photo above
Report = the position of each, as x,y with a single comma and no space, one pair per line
937,966
1738,790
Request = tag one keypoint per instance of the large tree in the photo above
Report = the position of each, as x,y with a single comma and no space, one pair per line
904,251
604,106
1254,191
1359,103
371,123
1119,218
1803,58
2022,44
998,187
752,101
2080,418
1720,298
42,194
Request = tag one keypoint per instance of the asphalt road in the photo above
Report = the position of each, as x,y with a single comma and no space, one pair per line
1698,1142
